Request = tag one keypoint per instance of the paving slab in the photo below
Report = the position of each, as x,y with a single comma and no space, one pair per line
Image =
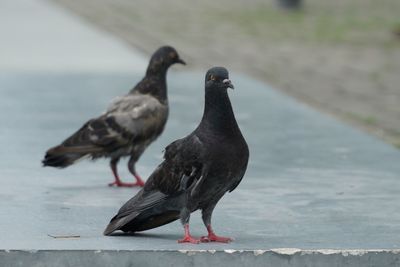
312,182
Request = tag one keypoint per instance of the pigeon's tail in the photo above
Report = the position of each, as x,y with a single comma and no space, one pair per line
136,222
61,156
143,212
117,223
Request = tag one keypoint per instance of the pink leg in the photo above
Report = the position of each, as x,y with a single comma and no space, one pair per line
188,238
212,237
132,170
118,181
139,181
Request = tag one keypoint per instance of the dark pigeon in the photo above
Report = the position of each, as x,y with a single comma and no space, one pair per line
128,126
196,172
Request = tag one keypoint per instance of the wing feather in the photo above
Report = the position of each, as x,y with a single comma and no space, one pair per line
127,118
181,170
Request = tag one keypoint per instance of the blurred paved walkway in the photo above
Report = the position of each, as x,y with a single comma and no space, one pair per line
337,56
39,36
312,183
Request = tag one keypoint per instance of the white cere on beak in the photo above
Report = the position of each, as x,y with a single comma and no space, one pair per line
228,83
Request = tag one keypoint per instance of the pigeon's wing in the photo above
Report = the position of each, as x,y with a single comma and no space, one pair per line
131,119
93,135
181,170
128,118
239,180
184,163
243,165
138,115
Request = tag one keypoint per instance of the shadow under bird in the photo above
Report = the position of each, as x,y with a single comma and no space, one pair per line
196,172
128,126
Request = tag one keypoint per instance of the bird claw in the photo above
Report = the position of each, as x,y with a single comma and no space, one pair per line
189,239
139,182
215,238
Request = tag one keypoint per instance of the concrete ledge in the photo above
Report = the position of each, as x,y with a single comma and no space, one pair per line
285,257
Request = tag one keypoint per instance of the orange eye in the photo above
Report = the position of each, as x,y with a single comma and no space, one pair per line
172,55
213,78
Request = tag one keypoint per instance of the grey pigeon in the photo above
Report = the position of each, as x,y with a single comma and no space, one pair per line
196,172
128,126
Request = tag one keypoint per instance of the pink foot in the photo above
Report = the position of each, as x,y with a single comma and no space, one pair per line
189,239
118,183
139,181
214,238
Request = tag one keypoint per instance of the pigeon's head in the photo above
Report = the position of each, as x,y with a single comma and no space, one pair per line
218,77
163,58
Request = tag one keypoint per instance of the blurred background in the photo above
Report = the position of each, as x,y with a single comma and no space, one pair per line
341,57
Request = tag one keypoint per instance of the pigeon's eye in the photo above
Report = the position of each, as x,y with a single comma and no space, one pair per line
172,55
213,78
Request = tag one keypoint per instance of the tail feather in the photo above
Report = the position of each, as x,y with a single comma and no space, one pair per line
137,221
62,157
117,223
146,210
75,147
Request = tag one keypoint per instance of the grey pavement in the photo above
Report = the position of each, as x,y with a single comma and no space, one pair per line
38,36
317,192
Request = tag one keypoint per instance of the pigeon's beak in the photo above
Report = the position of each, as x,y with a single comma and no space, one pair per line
180,61
228,83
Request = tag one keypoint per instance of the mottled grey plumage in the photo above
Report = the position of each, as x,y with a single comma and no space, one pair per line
196,172
128,126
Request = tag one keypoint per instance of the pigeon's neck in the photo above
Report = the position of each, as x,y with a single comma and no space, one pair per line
154,84
155,69
218,114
